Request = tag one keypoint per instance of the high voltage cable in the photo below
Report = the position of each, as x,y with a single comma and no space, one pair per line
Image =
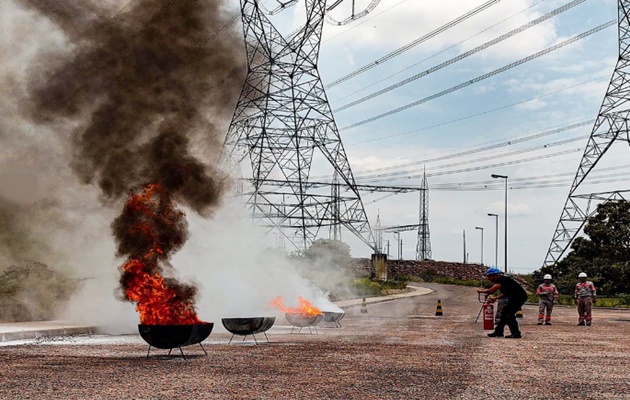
477,160
122,9
534,185
487,166
157,15
535,182
476,149
221,30
439,52
531,179
478,114
464,55
484,76
411,45
481,149
541,185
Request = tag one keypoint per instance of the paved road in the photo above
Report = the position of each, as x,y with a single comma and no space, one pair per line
398,350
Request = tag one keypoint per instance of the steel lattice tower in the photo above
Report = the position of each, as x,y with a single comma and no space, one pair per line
611,125
283,123
423,244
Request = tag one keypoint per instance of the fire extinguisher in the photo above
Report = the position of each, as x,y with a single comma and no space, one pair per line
488,316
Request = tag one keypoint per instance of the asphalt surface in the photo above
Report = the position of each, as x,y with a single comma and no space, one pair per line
399,349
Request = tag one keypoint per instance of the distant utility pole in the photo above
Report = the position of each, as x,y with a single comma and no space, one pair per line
481,229
464,246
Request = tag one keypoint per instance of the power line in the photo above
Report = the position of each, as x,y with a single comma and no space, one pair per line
479,114
535,185
474,161
122,9
438,53
464,55
483,148
487,166
231,21
522,181
416,42
157,15
484,76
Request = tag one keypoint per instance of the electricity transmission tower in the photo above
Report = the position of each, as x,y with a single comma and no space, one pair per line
611,125
423,244
283,125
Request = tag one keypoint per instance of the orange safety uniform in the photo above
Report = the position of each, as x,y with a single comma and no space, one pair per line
548,294
585,293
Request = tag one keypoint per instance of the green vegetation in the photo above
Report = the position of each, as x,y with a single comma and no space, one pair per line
363,287
33,292
604,254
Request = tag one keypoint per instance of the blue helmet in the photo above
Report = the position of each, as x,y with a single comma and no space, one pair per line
493,271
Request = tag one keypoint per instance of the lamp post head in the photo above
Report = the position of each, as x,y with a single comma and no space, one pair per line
478,227
493,215
499,176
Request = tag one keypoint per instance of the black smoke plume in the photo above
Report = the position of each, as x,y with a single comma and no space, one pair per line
144,91
140,85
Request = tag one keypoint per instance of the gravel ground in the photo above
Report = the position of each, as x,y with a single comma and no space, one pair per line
398,350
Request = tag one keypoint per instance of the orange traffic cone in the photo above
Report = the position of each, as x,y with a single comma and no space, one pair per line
364,307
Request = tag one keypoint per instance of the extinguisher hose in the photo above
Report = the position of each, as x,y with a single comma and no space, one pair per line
485,299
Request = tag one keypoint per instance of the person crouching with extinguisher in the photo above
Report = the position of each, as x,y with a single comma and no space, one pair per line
516,297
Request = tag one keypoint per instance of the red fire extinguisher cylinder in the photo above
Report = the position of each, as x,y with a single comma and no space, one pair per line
488,316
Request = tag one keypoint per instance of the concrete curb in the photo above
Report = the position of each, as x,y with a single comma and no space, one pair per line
13,332
417,291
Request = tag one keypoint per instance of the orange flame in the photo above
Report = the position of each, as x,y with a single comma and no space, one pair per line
156,299
157,303
304,306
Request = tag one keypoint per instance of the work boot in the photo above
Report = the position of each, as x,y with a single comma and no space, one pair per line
514,336
495,334
588,323
581,323
539,323
548,323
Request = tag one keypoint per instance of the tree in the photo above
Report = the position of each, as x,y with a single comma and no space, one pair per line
327,263
33,292
604,254
330,253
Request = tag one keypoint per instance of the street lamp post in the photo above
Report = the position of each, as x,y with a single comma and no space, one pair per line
481,229
506,214
399,245
496,238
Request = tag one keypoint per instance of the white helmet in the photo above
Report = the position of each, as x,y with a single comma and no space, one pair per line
547,276
582,275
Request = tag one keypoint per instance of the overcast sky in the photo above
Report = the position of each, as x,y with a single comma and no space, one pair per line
550,92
